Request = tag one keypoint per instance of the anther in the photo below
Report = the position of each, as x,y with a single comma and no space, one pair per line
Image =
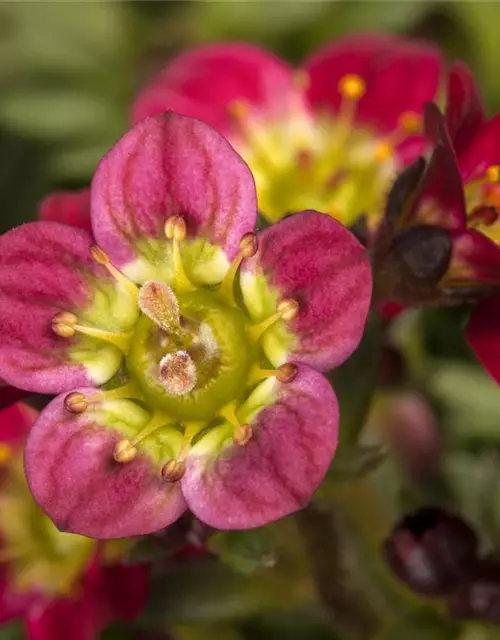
124,451
493,173
287,372
242,434
76,402
248,245
63,324
101,257
176,230
248,248
352,86
288,308
173,470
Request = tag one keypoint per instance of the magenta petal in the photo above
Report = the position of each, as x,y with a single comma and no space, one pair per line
464,107
203,82
72,475
61,619
15,423
43,270
69,207
440,199
475,258
278,470
166,165
483,335
482,152
400,75
314,259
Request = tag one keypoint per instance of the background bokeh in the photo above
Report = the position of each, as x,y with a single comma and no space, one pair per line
68,72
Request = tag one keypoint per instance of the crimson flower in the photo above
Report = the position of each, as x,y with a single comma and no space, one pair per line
177,387
61,584
330,135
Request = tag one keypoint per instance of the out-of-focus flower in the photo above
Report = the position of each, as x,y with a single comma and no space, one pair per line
203,405
62,585
439,240
330,135
431,550
68,207
478,597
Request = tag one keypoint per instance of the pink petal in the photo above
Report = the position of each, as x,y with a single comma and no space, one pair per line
72,475
166,165
61,619
483,335
203,82
483,150
314,259
279,469
400,75
464,107
12,604
15,423
69,207
440,200
44,269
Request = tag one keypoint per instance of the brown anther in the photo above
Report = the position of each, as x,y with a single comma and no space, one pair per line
124,451
75,402
288,308
248,245
242,435
173,470
98,254
63,330
287,372
352,86
175,227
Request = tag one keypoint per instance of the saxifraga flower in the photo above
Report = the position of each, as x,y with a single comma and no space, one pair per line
186,350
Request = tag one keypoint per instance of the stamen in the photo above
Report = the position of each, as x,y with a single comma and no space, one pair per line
76,402
158,302
175,230
101,257
287,309
173,470
493,173
248,248
242,432
286,373
64,325
178,373
125,450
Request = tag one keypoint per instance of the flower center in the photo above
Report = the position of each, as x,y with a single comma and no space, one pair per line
191,360
301,160
37,556
482,197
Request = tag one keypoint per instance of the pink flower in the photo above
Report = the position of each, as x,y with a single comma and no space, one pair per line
330,135
62,585
213,395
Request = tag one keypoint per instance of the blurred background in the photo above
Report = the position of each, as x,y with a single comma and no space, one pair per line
68,73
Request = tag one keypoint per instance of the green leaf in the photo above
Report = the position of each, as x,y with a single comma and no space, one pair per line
246,551
12,631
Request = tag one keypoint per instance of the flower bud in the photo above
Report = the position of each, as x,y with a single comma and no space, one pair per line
431,550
